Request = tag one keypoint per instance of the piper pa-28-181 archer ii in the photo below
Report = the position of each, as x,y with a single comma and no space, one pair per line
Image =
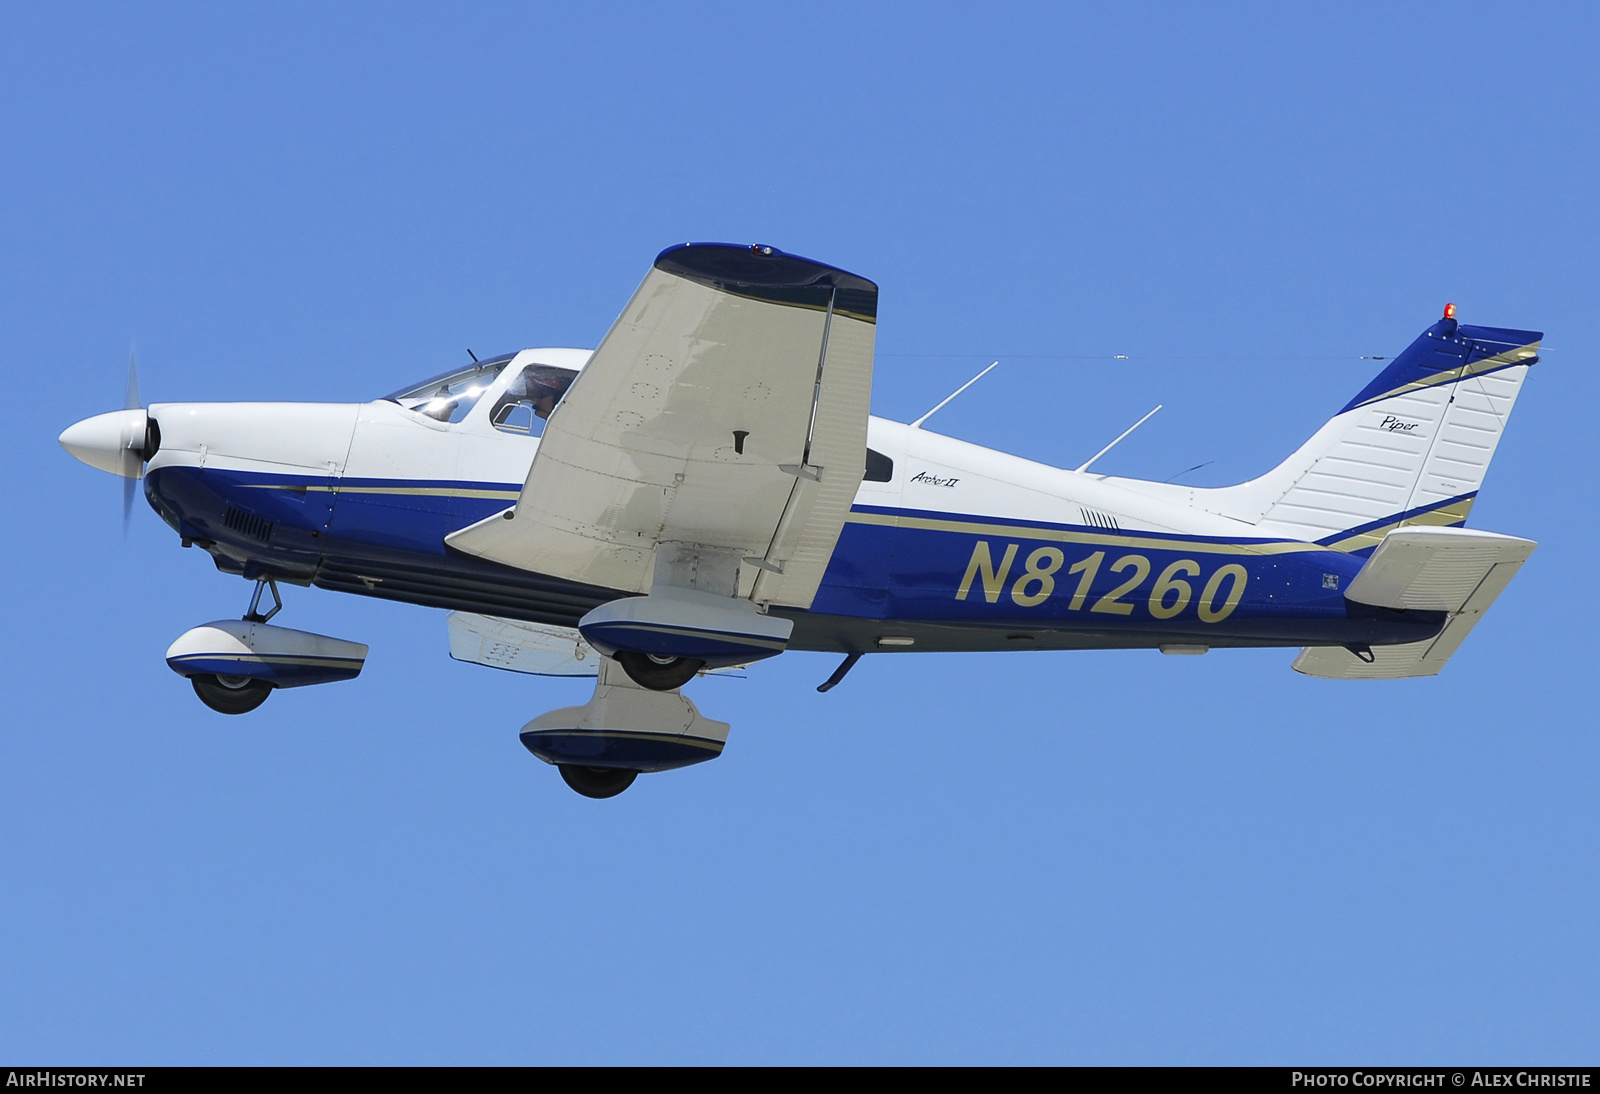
707,489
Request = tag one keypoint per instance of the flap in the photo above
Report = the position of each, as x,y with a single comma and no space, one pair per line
538,649
726,408
535,648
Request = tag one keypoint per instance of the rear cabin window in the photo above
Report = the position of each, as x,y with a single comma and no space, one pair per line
880,468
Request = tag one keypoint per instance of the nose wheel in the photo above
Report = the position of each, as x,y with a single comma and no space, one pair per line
231,694
240,694
597,782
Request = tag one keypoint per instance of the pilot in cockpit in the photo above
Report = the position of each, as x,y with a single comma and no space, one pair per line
547,391
539,388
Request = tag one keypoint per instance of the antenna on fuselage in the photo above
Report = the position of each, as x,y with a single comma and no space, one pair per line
918,423
1196,467
472,355
1118,441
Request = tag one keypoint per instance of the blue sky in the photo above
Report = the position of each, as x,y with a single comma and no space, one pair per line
1099,857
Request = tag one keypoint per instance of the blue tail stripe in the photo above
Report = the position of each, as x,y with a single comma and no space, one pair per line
1396,518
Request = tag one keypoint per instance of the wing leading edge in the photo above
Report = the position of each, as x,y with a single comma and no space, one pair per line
724,415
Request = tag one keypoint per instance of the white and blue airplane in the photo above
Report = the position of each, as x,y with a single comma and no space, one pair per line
707,489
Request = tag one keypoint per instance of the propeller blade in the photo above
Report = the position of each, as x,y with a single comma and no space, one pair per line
131,402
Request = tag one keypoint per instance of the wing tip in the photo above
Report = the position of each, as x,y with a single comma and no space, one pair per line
768,274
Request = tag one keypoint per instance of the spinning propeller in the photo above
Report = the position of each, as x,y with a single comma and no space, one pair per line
120,442
131,402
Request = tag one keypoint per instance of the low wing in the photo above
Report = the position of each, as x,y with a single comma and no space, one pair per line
1427,569
726,409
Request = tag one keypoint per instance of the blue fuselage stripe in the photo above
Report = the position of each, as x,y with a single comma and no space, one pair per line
386,537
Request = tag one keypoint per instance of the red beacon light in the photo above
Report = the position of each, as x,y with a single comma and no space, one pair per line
1449,311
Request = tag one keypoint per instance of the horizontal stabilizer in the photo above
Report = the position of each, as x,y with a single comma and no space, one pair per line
1451,570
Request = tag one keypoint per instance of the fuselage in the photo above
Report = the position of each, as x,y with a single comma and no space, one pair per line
949,546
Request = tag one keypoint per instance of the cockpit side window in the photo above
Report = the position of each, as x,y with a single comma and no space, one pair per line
529,399
449,396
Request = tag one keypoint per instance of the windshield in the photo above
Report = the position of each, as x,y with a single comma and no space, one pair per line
529,399
448,397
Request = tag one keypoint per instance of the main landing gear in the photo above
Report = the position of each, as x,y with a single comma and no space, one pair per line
597,782
625,730
657,673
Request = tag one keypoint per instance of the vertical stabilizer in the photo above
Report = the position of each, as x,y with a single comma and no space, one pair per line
1411,448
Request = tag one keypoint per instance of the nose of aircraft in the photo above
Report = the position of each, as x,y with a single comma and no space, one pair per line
112,442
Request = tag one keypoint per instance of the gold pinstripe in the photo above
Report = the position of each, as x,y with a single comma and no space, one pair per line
1517,356
1101,539
695,632
413,491
273,659
1453,513
665,738
1443,517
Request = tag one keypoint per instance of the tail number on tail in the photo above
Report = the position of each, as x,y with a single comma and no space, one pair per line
1172,593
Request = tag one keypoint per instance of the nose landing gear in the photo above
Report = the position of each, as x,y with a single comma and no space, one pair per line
229,694
235,664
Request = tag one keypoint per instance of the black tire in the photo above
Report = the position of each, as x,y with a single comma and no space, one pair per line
658,673
597,782
230,694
